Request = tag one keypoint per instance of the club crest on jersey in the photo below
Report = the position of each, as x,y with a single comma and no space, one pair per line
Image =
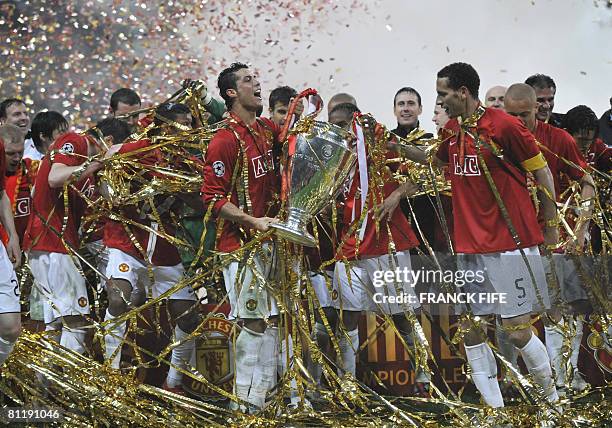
251,304
67,149
219,168
82,302
469,167
124,267
22,207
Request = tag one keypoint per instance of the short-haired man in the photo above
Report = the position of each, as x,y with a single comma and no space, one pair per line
340,98
495,97
123,102
348,341
546,90
279,104
483,223
10,257
135,252
19,179
243,205
364,251
46,127
561,154
14,111
407,108
66,173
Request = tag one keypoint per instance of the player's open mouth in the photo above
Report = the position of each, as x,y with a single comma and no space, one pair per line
257,93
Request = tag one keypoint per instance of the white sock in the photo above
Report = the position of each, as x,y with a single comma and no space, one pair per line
73,338
285,345
320,336
181,356
6,348
286,354
505,346
113,340
576,342
484,376
348,350
554,346
248,345
264,375
536,360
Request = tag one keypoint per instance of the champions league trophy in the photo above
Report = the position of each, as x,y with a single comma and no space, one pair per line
318,160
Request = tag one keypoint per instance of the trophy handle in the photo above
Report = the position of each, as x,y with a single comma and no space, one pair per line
290,111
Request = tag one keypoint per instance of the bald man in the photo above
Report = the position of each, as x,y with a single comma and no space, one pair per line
495,97
559,147
338,99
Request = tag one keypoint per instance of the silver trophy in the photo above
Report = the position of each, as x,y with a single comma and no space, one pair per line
319,166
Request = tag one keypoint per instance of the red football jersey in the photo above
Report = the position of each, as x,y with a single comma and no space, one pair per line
479,226
157,250
221,178
560,146
599,156
19,191
376,238
46,223
2,165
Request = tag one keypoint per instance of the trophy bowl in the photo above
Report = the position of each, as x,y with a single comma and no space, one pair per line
323,158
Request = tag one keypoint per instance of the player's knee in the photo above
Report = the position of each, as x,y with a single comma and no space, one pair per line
520,338
332,317
256,325
189,322
350,319
74,321
11,333
117,298
553,315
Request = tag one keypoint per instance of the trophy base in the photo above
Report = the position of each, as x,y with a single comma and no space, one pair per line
299,237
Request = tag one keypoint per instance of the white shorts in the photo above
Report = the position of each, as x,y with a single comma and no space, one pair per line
507,275
367,290
123,266
319,285
247,294
568,279
60,284
9,287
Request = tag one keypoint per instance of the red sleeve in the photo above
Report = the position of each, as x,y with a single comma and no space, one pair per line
2,166
70,149
517,142
447,134
442,152
131,146
219,163
602,155
573,155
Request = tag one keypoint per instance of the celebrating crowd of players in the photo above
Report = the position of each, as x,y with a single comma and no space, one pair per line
492,153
